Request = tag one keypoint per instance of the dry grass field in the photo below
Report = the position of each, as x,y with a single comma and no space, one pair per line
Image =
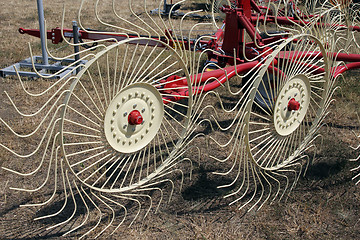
325,204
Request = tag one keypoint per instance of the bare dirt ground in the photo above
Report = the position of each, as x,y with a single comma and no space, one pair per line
323,205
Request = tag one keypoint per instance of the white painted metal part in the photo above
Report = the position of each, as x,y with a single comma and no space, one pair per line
123,136
287,121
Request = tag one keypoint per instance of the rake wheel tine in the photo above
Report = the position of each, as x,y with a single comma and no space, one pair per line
87,211
355,159
263,190
74,201
161,198
255,189
65,193
278,184
43,157
123,196
122,206
112,210
55,184
147,196
96,206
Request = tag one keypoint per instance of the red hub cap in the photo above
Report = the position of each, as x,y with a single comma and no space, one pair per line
135,118
293,105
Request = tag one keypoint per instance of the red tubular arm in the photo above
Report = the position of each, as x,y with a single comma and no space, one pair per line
341,69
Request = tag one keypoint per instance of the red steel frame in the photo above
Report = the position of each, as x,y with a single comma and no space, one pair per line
239,21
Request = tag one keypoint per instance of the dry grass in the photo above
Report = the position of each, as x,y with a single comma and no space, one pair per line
324,205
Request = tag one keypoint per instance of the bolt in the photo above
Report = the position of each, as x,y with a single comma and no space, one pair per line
135,105
130,142
114,135
124,142
125,113
143,110
142,136
123,99
112,120
133,129
147,130
112,128
136,140
285,108
152,116
114,112
295,94
130,95
151,102
289,97
136,93
118,105
125,126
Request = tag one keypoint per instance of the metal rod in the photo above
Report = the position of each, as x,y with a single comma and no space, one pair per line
76,41
42,32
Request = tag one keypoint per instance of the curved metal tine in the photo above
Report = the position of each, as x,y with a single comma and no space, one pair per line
146,188
122,206
89,31
356,169
277,183
87,211
42,92
128,22
55,185
47,176
125,196
44,154
97,207
143,22
58,95
236,137
239,156
243,205
136,194
65,193
38,145
73,44
107,206
74,201
265,21
239,121
281,26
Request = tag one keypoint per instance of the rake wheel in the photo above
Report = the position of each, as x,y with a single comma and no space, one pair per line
122,122
293,91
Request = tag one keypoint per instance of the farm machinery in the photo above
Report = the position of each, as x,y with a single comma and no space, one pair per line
121,128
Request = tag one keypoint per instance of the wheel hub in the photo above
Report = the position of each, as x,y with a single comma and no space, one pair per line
291,105
133,117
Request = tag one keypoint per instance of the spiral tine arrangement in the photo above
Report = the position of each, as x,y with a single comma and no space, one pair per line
271,142
110,140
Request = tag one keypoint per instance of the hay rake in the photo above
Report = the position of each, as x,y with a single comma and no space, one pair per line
113,136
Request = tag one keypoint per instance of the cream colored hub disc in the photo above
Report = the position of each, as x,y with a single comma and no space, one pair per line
139,101
295,92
